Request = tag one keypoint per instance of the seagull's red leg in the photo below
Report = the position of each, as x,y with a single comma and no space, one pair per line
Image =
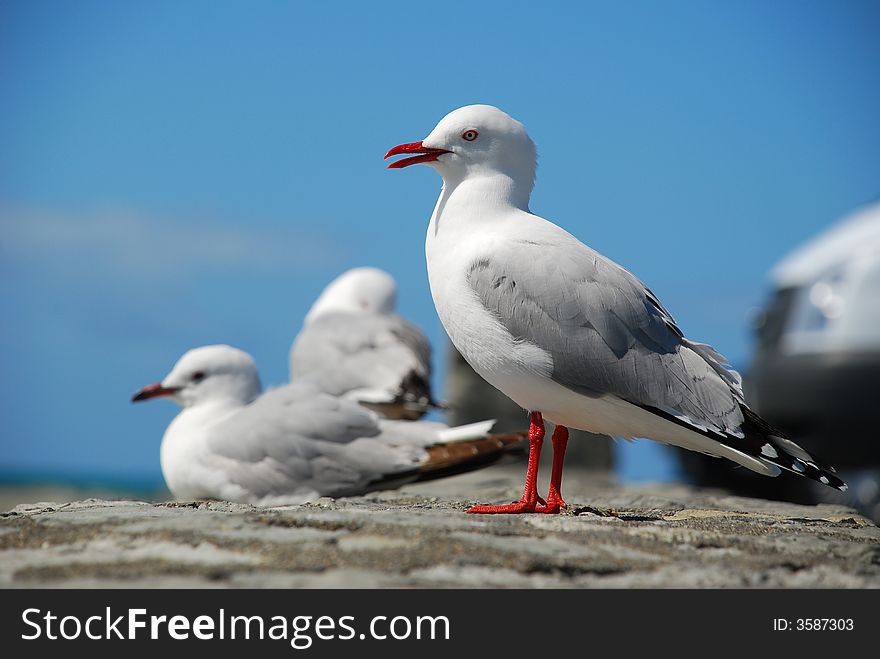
554,496
529,499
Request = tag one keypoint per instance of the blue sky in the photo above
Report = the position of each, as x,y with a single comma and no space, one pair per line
181,173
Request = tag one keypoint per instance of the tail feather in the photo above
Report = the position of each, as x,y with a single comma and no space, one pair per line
410,402
463,455
467,431
456,457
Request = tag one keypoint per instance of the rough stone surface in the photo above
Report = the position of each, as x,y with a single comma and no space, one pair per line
419,536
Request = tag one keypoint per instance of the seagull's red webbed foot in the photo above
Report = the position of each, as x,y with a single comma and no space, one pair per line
529,501
521,506
555,502
506,509
553,505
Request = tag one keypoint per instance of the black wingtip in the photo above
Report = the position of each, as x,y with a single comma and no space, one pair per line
762,441
778,449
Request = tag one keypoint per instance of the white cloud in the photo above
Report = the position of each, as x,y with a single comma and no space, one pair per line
135,246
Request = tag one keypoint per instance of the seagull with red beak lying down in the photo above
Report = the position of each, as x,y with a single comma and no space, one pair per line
294,444
566,333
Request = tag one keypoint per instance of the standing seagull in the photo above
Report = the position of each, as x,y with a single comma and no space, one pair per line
294,444
563,331
354,345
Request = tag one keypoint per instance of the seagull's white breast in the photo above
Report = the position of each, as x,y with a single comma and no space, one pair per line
186,459
476,332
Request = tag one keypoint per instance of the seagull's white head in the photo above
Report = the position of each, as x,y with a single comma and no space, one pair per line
208,374
360,290
476,140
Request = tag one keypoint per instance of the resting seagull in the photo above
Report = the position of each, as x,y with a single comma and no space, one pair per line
563,331
353,344
295,444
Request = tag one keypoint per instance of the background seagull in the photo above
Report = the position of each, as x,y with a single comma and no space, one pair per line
353,344
295,444
562,330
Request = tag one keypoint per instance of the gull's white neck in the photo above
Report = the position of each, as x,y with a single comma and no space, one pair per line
479,196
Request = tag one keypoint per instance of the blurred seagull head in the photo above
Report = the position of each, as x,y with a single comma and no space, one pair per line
360,290
210,374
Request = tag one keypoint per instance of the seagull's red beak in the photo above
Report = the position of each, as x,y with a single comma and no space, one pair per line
153,391
427,154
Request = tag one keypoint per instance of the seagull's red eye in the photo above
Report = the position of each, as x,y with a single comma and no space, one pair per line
470,135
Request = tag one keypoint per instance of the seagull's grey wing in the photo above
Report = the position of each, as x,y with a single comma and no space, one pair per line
375,357
604,330
296,443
